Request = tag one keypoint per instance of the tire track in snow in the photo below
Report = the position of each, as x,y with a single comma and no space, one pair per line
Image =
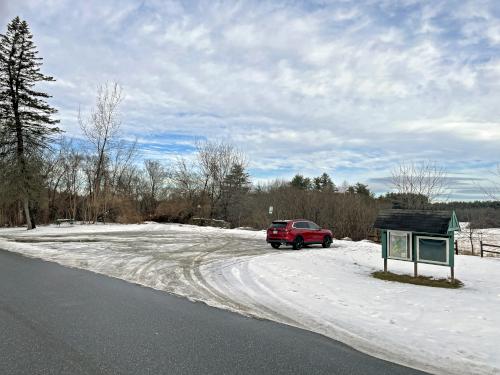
250,307
225,254
155,259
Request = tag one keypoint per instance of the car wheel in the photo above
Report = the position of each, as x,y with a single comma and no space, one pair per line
327,241
275,245
298,243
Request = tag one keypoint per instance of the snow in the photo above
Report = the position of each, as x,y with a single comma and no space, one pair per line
329,291
487,235
161,256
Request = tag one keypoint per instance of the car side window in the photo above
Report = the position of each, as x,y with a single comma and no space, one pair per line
301,225
313,226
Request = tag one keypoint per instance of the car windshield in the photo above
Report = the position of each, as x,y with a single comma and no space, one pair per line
278,224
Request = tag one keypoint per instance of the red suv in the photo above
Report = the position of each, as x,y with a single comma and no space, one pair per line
297,233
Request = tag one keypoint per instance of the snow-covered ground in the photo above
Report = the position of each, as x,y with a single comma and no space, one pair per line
329,291
487,235
161,256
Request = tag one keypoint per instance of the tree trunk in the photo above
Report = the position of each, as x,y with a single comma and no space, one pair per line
27,213
32,216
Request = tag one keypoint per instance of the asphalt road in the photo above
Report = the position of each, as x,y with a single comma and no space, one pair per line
57,320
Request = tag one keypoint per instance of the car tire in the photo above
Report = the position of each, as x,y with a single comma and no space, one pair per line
327,241
275,245
298,243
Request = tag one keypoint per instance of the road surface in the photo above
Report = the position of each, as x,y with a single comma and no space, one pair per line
58,320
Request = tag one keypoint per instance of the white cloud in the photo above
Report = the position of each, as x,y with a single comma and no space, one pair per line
335,85
474,131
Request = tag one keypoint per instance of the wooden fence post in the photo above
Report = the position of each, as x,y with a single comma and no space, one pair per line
481,243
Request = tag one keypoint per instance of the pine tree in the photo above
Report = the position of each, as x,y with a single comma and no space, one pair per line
301,182
362,189
324,183
26,123
237,179
235,186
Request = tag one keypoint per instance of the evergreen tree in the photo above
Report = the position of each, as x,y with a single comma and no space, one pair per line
237,179
350,190
407,200
235,186
362,189
324,183
301,182
26,123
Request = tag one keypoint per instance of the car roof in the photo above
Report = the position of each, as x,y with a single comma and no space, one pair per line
289,220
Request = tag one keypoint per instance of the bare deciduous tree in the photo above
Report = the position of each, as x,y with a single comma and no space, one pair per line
493,190
119,176
419,183
100,128
185,178
155,179
216,160
473,230
72,178
53,172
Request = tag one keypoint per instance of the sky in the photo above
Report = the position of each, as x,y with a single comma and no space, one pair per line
350,88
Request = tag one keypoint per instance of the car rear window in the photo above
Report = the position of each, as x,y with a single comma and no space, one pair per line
278,224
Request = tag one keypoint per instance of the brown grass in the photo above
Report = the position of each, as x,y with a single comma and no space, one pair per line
420,280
